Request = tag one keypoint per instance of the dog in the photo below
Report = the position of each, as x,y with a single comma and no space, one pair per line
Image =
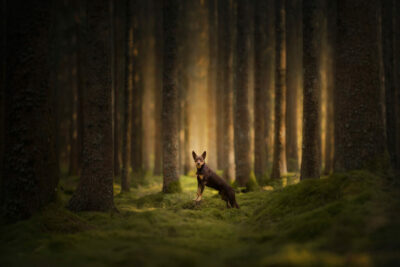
206,177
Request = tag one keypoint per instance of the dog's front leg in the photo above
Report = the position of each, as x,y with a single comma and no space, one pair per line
200,189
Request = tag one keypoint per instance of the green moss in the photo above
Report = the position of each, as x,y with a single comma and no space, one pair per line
173,187
347,219
252,184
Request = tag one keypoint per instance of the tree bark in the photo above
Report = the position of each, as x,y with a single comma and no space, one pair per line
242,120
224,109
137,97
30,174
330,75
294,69
212,83
359,130
170,99
311,155
127,115
95,190
279,167
260,86
387,30
158,88
396,58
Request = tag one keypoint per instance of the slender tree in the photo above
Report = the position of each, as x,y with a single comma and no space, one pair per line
279,167
127,98
387,31
241,122
311,155
212,83
170,99
225,90
95,190
359,131
396,58
270,78
137,93
260,86
294,68
30,173
158,36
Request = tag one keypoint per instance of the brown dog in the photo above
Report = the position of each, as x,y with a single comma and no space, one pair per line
206,177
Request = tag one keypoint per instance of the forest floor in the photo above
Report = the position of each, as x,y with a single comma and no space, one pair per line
351,219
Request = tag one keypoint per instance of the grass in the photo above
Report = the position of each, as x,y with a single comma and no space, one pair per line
348,219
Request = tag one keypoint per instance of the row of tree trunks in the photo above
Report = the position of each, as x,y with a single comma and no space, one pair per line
30,173
279,167
95,190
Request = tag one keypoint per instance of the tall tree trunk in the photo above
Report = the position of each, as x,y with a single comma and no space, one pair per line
242,121
222,24
294,68
330,74
158,36
137,97
359,130
311,155
260,86
270,87
170,99
127,114
279,167
225,90
3,54
396,59
115,83
95,190
212,83
387,31
30,174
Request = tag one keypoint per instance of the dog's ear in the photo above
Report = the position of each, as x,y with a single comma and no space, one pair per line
194,155
204,155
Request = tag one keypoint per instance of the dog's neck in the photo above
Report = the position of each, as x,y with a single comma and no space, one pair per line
201,168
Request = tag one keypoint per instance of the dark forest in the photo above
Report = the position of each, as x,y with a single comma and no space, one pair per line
200,133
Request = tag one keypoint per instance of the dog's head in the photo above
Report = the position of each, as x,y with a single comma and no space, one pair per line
199,160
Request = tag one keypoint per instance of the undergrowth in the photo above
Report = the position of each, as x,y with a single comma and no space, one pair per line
346,219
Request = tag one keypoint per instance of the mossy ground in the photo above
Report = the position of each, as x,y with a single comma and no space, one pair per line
351,219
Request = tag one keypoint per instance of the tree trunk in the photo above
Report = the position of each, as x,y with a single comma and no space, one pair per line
30,174
260,86
158,88
242,120
170,122
270,78
330,74
359,130
279,167
95,190
311,155
127,115
137,97
388,66
294,68
212,84
115,82
396,58
224,107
